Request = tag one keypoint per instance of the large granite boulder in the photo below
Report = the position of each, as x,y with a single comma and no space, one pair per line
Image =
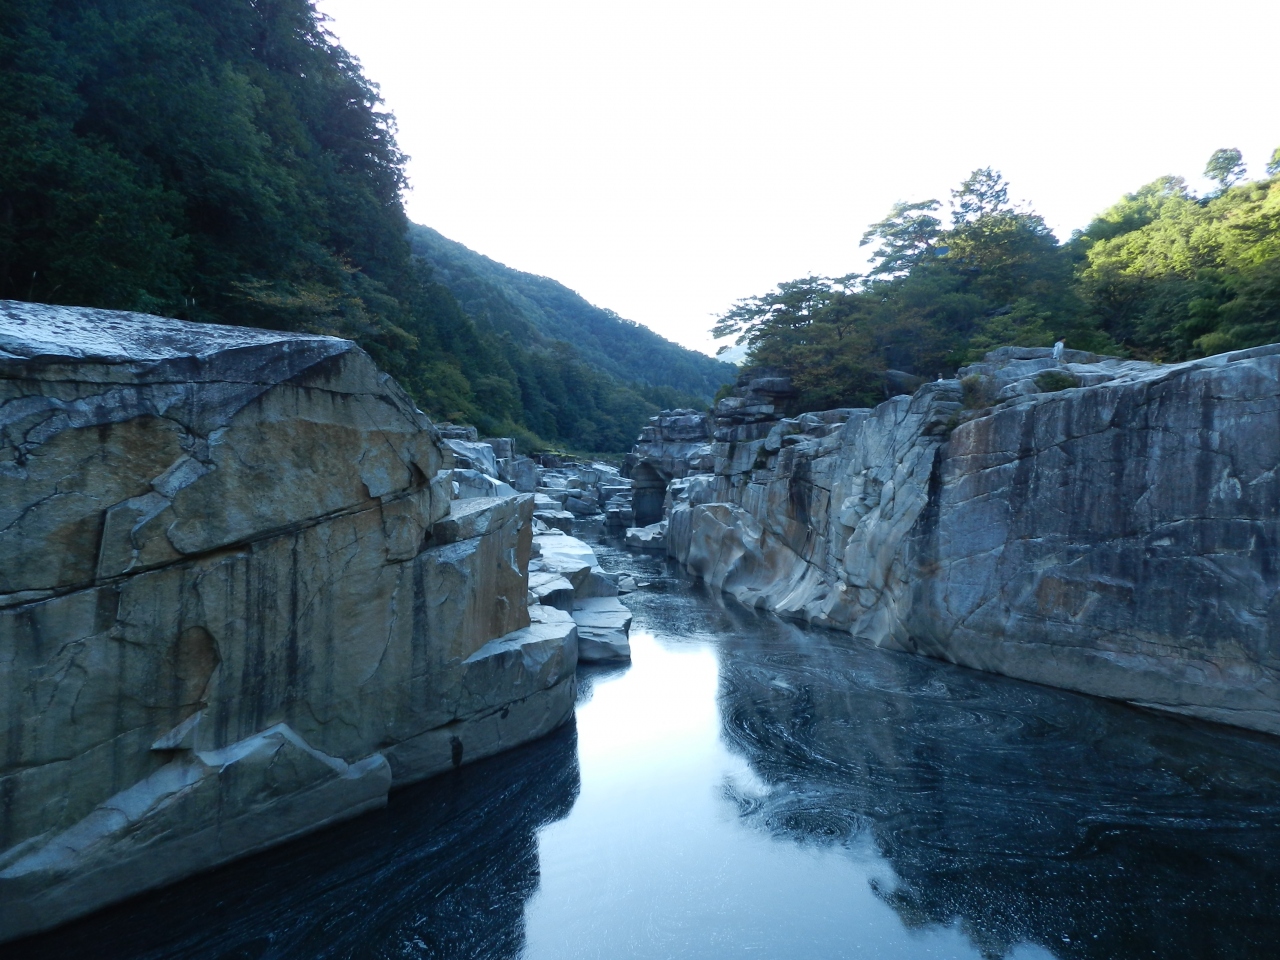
603,627
652,537
1104,525
236,602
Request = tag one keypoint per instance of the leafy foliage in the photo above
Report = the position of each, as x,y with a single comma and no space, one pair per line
1226,166
227,161
1162,274
535,309
1172,276
1053,380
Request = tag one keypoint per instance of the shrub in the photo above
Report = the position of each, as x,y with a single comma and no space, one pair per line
1054,380
978,392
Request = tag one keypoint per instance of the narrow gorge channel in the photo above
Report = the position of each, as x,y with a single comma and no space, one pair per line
749,787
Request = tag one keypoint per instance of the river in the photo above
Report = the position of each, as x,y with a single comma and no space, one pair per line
749,788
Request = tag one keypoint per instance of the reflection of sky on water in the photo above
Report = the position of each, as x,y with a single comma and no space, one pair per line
655,859
846,801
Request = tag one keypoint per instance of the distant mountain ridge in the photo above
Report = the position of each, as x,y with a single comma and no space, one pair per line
229,163
532,308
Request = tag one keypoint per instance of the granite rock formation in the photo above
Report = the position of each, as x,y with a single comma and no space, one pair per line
1102,525
564,574
237,602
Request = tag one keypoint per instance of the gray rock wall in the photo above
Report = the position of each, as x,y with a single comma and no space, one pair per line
1119,537
236,602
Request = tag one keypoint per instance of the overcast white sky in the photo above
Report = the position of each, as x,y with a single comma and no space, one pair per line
664,159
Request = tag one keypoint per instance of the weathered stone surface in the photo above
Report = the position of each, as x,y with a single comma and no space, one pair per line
469,484
561,520
602,620
549,498
581,506
471,455
603,626
652,537
574,560
457,431
192,813
520,472
618,511
117,451
479,516
551,589
1118,537
512,689
232,594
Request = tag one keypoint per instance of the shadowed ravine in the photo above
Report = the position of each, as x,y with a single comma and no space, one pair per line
748,788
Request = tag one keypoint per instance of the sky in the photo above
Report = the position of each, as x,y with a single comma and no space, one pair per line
665,159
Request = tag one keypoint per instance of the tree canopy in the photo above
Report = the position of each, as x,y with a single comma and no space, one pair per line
1162,275
228,161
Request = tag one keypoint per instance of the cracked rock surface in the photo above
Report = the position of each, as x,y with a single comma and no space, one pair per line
237,602
1102,525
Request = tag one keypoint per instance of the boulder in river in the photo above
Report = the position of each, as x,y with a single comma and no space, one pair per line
469,483
603,626
652,537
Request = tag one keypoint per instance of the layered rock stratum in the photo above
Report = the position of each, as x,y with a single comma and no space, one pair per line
237,602
1107,526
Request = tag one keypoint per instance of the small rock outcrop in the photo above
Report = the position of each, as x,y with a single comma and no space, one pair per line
1103,525
565,574
237,601
569,491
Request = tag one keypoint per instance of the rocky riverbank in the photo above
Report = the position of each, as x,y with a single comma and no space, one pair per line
1102,525
246,589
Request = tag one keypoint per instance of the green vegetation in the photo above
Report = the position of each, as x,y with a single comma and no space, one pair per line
977,392
1162,275
226,161
533,308
1053,380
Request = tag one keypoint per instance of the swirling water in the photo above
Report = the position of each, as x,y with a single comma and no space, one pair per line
747,788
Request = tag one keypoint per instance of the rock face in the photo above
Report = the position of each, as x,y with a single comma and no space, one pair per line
236,602
579,490
1102,525
675,444
565,575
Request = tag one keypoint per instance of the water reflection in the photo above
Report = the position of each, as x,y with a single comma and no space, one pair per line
657,859
746,788
443,873
1023,814
1024,818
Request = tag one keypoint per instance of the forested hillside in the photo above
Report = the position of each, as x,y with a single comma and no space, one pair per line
227,161
1161,275
534,308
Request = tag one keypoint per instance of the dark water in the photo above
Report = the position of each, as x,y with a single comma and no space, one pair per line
750,789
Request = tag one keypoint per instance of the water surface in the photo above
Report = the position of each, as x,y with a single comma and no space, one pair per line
747,788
